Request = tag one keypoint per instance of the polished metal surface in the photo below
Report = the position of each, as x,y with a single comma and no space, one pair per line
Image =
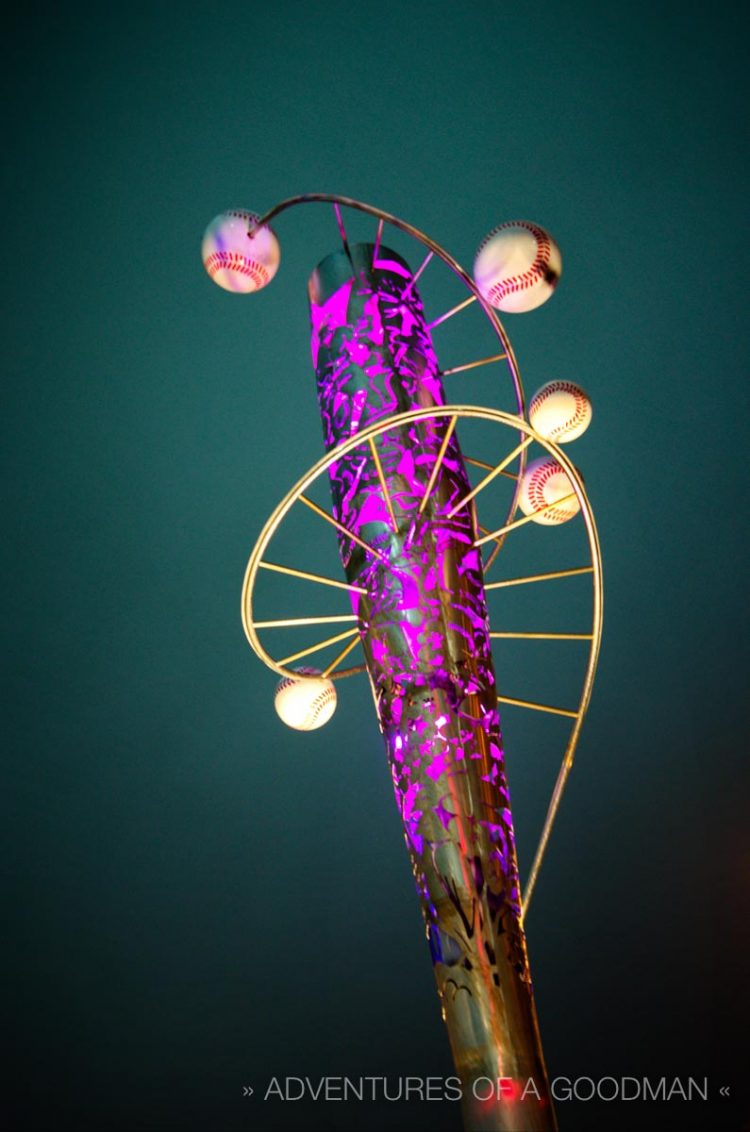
425,634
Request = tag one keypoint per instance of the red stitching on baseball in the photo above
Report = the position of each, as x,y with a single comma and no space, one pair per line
579,413
538,269
321,700
243,215
235,261
535,489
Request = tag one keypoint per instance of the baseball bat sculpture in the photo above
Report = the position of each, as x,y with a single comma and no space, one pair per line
404,512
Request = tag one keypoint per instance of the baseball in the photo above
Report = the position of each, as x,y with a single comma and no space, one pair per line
544,482
236,261
517,266
560,411
305,704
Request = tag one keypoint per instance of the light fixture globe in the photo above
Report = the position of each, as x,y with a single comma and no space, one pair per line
546,494
560,411
305,704
517,266
235,260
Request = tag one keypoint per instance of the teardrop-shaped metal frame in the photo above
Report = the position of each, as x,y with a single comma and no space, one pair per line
297,495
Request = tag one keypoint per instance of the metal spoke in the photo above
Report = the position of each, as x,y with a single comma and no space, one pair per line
544,636
293,622
417,274
383,485
437,464
377,241
539,577
344,530
538,707
499,543
342,231
311,577
316,648
473,365
488,467
487,531
491,475
451,312
525,519
345,673
344,652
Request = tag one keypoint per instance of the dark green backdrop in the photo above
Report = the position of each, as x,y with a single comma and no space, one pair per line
198,898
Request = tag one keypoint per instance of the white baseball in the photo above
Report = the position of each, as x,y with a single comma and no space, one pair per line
544,482
305,704
517,266
560,411
235,261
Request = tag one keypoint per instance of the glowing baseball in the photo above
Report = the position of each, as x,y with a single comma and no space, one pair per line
517,266
560,411
545,482
307,704
235,261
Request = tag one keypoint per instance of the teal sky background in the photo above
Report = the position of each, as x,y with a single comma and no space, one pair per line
200,899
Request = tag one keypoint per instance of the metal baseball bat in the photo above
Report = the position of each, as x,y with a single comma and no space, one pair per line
425,633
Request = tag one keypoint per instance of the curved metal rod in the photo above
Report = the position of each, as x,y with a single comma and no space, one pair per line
447,258
422,238
567,762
